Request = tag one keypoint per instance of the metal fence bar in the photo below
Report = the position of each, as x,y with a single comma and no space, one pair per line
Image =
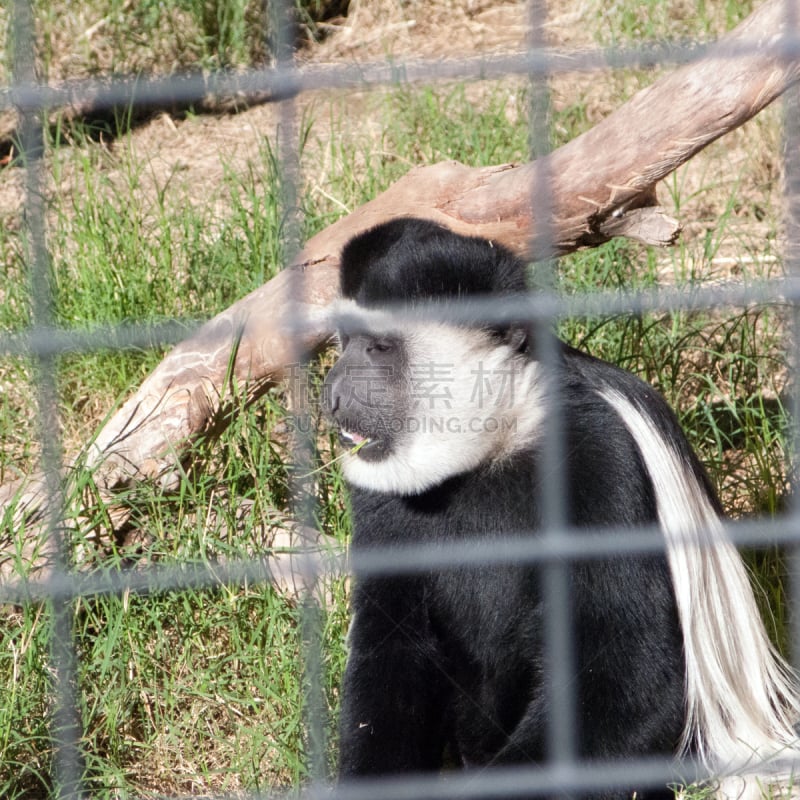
66,726
791,161
584,544
281,14
275,83
50,340
559,655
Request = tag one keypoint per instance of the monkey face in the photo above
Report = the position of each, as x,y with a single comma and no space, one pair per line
366,394
417,402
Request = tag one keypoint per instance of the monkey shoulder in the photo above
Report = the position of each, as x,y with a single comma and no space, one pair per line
598,430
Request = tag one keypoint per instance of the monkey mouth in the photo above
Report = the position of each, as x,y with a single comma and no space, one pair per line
353,439
365,446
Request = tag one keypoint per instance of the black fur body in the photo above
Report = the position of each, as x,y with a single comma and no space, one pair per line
456,656
448,665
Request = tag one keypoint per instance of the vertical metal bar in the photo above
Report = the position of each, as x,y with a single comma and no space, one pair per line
791,132
283,24
68,767
559,644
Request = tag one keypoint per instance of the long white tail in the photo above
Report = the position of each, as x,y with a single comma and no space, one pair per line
741,697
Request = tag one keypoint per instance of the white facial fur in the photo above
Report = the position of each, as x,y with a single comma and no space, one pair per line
472,401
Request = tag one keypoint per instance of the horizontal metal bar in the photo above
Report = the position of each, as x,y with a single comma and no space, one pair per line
516,781
545,306
284,81
46,341
40,340
566,545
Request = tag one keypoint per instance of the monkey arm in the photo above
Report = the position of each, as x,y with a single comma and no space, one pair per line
395,694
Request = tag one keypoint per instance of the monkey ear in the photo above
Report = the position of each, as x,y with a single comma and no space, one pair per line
516,337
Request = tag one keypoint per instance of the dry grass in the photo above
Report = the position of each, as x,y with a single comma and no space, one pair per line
434,29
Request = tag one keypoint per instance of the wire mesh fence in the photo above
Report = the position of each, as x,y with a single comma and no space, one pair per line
61,752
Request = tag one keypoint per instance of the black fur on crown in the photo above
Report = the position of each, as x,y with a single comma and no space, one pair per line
406,260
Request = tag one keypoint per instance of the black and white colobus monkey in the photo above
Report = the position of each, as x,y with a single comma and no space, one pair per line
671,656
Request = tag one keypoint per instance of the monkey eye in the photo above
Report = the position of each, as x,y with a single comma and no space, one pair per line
380,345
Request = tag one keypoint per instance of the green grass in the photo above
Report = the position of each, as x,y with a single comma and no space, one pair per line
202,691
655,20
